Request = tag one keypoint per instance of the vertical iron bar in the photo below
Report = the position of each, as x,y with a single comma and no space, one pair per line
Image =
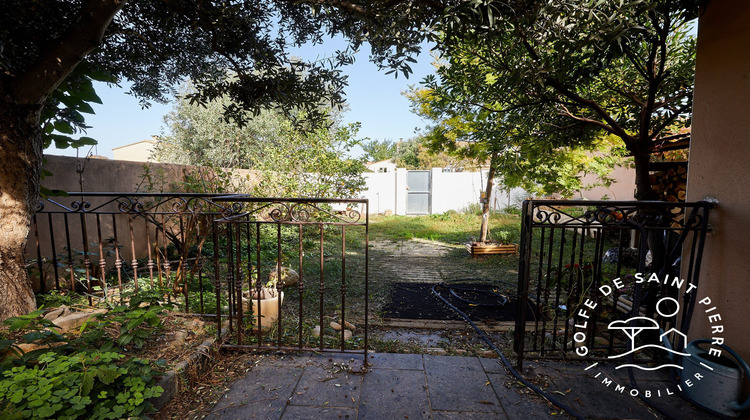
550,248
134,261
182,269
300,288
343,286
86,260
230,276
367,277
39,261
166,263
149,246
523,283
278,280
238,282
70,254
102,261
568,299
257,282
54,251
322,289
118,261
217,277
558,286
540,269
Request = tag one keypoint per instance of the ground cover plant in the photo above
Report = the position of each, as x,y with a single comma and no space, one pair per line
106,368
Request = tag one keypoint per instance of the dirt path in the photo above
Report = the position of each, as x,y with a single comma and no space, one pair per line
422,261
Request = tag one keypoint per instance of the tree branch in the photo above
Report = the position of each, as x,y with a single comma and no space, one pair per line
61,55
599,124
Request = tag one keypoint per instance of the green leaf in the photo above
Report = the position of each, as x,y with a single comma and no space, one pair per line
87,384
107,375
64,127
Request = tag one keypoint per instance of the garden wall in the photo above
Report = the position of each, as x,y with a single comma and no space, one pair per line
388,192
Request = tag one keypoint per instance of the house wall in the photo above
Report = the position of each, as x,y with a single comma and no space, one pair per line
136,152
719,153
623,187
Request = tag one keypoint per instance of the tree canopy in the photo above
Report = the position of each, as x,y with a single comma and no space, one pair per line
290,161
50,50
554,75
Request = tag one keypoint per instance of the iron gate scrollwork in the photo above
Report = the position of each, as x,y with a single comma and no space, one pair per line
571,249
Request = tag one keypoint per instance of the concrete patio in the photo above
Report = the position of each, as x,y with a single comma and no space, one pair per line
414,386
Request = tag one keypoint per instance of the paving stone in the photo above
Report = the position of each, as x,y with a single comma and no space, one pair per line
396,361
492,365
262,393
394,394
460,415
459,384
319,386
352,361
518,403
318,413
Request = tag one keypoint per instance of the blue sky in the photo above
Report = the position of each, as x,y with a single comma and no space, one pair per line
374,100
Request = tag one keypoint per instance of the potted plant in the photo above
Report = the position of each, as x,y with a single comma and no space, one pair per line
270,298
502,245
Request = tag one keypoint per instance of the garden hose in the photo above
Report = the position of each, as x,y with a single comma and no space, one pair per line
504,359
502,300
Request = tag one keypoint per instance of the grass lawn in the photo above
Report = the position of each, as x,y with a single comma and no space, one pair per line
450,227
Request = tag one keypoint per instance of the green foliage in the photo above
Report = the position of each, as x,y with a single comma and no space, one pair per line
377,150
450,227
85,384
83,374
542,80
285,159
519,160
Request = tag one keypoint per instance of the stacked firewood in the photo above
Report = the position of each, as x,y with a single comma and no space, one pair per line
670,183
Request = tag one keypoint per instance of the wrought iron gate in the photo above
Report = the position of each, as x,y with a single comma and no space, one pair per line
208,253
571,249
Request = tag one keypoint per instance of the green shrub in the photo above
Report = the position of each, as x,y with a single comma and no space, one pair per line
81,376
85,384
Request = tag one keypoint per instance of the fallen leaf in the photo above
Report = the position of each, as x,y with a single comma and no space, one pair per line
486,402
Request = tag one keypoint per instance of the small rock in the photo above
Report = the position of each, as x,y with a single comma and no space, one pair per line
316,331
289,277
75,320
350,326
57,313
347,334
335,325
179,339
196,324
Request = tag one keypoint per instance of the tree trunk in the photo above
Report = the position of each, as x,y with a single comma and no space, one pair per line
485,228
643,189
21,154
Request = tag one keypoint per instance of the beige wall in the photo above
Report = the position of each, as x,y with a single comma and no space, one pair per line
622,189
136,152
720,166
101,175
104,175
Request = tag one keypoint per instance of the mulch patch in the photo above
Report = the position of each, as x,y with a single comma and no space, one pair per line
416,301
